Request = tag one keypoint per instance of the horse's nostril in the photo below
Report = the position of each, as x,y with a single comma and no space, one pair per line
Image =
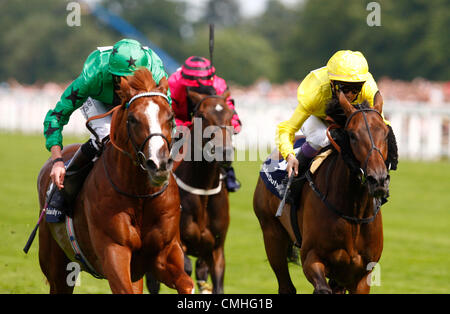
151,165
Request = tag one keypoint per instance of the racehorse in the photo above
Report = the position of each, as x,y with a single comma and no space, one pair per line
204,197
126,216
338,213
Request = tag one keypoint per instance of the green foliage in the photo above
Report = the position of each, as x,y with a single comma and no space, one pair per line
284,43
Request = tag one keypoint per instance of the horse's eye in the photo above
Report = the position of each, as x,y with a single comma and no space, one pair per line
132,119
352,136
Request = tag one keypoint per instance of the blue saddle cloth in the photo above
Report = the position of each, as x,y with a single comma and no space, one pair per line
274,171
55,213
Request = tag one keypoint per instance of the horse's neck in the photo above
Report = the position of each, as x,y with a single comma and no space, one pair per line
125,173
200,174
346,191
196,171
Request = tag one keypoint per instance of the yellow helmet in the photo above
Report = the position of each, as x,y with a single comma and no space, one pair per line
348,66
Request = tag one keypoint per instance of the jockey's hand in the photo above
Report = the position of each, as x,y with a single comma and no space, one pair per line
57,174
292,165
58,170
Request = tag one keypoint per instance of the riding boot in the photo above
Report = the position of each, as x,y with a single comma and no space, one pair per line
303,163
231,182
295,190
76,171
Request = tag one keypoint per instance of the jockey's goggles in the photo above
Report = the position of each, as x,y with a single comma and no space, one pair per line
345,87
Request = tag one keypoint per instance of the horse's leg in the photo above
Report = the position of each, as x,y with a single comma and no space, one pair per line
170,268
138,286
217,270
53,262
153,285
201,275
187,265
335,287
363,286
116,268
276,239
314,270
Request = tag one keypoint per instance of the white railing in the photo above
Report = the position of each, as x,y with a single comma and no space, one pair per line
422,130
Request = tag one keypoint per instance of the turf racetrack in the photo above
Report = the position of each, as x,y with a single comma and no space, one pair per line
416,255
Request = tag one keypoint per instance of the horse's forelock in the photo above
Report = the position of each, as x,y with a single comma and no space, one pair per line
142,80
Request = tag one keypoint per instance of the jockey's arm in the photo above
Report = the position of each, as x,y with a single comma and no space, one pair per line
72,98
285,132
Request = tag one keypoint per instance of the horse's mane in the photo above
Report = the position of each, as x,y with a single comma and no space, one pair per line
335,111
142,80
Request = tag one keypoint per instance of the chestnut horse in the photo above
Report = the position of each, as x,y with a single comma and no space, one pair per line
204,197
126,216
338,214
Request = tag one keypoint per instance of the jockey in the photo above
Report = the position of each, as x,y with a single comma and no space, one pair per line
94,90
346,71
198,74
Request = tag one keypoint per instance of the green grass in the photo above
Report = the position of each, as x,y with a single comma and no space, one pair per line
416,222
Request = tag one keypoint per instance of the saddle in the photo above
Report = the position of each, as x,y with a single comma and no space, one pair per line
274,175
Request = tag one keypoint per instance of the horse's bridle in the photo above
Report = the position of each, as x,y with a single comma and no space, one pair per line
197,106
373,148
140,156
323,197
372,143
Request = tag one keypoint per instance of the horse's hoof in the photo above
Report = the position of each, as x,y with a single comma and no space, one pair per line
204,287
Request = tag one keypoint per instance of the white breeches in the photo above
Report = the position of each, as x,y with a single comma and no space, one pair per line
101,126
315,132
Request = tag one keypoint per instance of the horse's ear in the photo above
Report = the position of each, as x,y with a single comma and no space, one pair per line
345,104
163,85
126,91
226,94
378,102
195,97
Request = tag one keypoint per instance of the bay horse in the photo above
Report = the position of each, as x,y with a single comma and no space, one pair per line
204,197
338,214
126,216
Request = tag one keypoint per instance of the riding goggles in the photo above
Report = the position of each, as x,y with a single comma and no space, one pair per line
355,88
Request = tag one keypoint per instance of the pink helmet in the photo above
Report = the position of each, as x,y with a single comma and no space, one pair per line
197,69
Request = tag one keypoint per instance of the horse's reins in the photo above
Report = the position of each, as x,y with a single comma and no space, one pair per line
140,156
323,197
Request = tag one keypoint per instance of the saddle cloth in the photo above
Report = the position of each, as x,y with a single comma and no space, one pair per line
53,214
273,171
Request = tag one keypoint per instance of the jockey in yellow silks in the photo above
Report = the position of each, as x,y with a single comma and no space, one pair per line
346,71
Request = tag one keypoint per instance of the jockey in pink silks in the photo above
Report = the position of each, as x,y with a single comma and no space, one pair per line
198,74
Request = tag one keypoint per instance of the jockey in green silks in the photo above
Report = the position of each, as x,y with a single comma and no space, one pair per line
94,90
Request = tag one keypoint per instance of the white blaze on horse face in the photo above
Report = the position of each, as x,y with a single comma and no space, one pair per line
219,107
156,142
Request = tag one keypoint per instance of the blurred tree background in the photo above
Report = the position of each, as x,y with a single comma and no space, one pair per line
283,43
